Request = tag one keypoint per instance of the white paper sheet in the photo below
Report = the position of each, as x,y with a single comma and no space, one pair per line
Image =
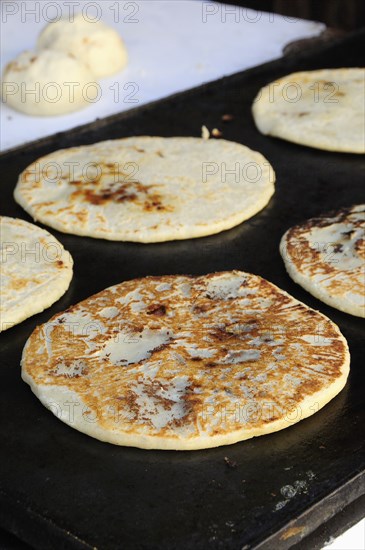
173,45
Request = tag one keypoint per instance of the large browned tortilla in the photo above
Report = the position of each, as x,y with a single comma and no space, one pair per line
178,362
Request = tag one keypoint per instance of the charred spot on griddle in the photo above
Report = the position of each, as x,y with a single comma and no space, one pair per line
230,463
227,117
156,309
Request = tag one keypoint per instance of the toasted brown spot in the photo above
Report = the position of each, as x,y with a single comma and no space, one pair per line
156,309
201,308
221,334
19,284
82,216
154,202
121,194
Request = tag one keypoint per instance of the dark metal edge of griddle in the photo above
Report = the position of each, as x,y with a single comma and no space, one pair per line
310,520
45,533
42,532
326,534
101,122
346,518
330,516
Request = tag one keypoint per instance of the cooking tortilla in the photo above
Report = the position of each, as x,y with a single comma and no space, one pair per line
326,256
35,270
323,109
182,362
147,189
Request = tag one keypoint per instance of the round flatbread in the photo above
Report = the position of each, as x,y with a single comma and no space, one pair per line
177,362
326,256
93,43
147,189
35,270
323,109
47,83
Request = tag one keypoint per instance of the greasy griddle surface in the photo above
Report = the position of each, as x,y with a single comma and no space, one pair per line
60,488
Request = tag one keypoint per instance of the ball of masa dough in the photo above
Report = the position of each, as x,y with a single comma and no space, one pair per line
96,44
47,83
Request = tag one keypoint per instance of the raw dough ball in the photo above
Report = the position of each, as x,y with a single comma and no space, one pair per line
96,45
47,83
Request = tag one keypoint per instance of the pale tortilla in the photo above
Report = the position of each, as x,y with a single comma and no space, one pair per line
35,270
147,189
323,109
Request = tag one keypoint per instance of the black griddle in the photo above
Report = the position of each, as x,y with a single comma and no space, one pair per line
62,489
